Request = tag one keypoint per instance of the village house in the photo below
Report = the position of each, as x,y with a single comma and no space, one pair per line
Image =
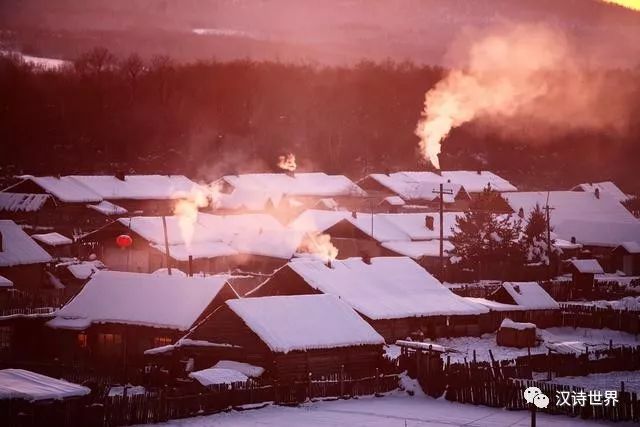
521,302
403,191
606,187
22,260
626,258
118,315
251,242
394,294
24,208
292,337
598,222
286,194
85,202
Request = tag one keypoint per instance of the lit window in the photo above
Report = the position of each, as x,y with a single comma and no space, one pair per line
82,340
161,341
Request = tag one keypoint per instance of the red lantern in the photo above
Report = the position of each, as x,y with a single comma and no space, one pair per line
124,241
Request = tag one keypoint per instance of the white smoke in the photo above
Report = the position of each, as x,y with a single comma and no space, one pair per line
519,76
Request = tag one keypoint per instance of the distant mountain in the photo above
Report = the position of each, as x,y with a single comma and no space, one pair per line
330,31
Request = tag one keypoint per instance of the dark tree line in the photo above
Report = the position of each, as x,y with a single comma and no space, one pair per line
104,113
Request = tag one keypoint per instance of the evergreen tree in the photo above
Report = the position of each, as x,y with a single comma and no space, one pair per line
535,237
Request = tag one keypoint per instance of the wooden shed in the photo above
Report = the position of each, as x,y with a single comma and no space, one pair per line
533,303
583,272
292,337
394,294
626,258
516,334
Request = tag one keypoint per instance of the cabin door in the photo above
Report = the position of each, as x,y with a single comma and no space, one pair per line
627,264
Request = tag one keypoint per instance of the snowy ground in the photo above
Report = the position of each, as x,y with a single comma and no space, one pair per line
396,410
596,337
602,382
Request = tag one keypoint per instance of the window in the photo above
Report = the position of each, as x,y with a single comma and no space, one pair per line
160,341
5,337
109,340
82,340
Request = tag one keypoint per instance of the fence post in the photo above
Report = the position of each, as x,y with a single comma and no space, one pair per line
341,381
377,382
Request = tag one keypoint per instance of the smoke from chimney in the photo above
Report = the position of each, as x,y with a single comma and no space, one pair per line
524,81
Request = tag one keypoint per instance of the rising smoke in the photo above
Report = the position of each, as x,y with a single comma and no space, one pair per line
527,81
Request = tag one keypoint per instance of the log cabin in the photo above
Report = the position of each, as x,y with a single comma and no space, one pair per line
583,273
522,302
248,242
291,337
118,315
22,260
626,258
394,294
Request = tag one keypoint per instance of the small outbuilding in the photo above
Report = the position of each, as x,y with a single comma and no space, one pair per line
583,272
535,304
516,334
626,258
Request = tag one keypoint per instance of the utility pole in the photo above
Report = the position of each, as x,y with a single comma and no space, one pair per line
441,192
547,209
166,244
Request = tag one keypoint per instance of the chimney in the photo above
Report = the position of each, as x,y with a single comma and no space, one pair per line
573,239
366,258
479,172
354,215
521,212
428,222
120,175
329,263
1,243
597,193
190,265
292,174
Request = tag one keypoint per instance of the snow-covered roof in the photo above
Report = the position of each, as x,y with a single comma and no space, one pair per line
419,249
198,250
520,326
137,187
530,295
316,184
245,368
108,208
95,188
394,200
52,239
387,288
321,220
165,272
84,269
571,205
139,299
27,385
304,322
598,233
607,187
18,248
213,376
247,198
476,181
631,247
413,224
5,283
22,202
417,185
587,266
268,243
495,305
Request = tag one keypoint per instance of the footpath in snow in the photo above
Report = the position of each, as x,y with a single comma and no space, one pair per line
397,410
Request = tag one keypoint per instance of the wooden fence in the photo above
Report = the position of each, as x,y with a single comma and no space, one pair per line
598,318
110,411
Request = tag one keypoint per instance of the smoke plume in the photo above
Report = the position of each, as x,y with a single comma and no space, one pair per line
527,81
187,207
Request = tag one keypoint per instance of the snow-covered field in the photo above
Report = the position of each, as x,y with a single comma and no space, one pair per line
594,337
397,410
606,381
